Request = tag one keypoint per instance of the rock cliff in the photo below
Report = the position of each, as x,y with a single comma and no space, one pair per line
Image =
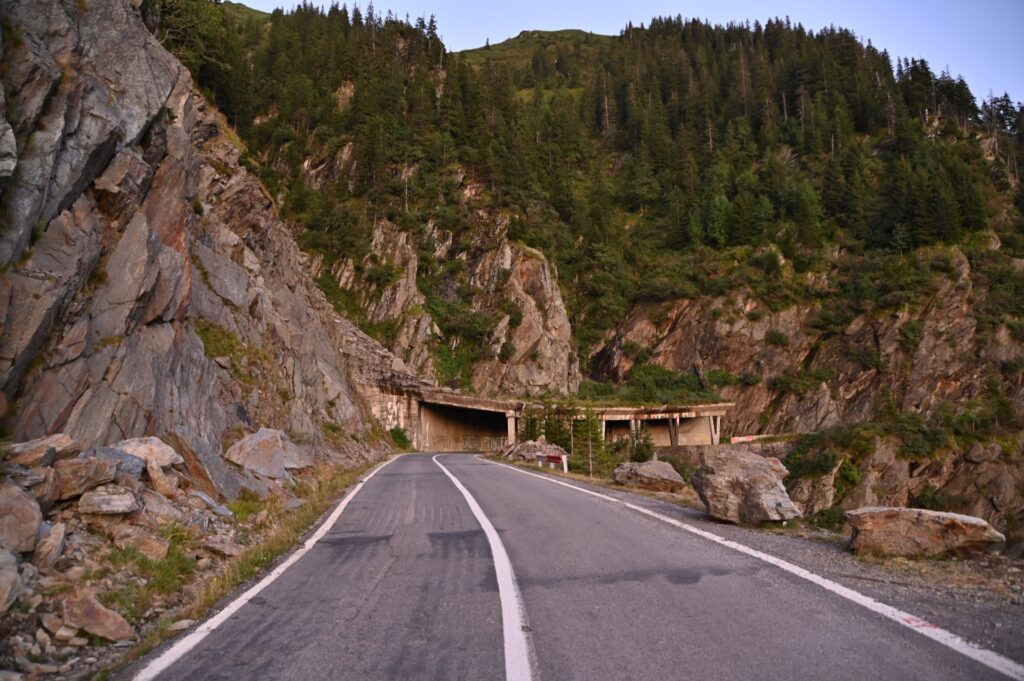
148,287
527,347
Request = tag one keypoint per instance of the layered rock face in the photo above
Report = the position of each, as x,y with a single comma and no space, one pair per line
148,287
529,349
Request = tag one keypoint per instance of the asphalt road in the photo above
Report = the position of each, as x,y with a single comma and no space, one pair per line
403,587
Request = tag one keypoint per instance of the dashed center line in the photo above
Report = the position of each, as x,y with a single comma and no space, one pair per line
519,658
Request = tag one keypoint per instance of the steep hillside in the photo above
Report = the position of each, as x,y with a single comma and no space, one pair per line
148,286
793,219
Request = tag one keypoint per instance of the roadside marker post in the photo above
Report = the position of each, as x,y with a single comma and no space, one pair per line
552,459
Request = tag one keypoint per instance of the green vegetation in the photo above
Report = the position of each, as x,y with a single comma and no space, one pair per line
741,157
776,338
157,577
219,342
649,384
801,381
400,438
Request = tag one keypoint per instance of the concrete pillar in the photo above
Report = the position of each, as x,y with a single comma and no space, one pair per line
511,427
673,431
604,430
716,429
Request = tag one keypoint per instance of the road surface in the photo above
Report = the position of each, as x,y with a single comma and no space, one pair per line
403,586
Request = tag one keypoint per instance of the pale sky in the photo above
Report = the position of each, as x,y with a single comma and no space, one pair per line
983,40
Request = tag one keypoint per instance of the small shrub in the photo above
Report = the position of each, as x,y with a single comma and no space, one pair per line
930,499
776,338
400,437
829,519
911,334
508,350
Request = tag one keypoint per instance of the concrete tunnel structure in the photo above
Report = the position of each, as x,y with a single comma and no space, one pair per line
447,421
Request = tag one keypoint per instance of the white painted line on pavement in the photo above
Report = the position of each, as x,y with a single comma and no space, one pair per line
159,664
989,658
518,651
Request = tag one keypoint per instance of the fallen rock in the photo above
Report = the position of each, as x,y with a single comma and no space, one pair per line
744,488
19,518
10,581
269,453
75,476
658,476
25,477
181,625
50,547
44,451
223,545
915,532
65,633
162,483
108,500
46,492
155,512
151,449
83,611
531,450
149,545
220,509
126,463
51,622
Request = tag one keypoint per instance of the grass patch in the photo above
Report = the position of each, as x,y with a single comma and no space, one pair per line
246,505
157,578
218,342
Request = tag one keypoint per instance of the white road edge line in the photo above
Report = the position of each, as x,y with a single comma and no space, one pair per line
989,658
518,650
160,664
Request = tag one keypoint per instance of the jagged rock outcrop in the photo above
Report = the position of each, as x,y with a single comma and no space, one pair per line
149,288
915,532
743,488
950,362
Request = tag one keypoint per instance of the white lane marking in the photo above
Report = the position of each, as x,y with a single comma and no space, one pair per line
518,651
989,658
159,664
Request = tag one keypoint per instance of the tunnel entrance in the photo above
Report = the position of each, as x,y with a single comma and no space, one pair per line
447,428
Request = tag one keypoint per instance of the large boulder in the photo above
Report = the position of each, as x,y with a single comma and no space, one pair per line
659,476
916,532
269,453
43,451
75,476
83,611
744,488
20,518
531,451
